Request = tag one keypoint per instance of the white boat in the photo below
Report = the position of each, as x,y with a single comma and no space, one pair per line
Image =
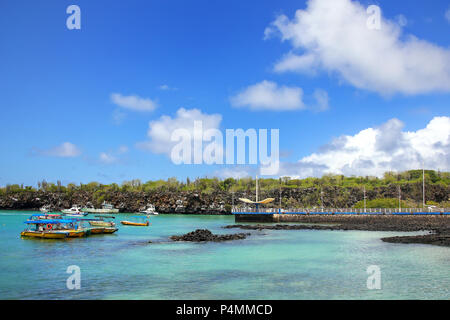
149,210
45,209
106,208
75,211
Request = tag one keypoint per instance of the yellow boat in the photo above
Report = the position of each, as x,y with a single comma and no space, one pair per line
72,233
44,234
137,224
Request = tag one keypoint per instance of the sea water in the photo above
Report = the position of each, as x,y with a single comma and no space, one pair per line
269,264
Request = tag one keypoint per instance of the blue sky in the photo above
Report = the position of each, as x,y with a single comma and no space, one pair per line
56,85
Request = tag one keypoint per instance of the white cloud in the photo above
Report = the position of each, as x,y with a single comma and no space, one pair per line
322,100
65,150
133,102
165,87
237,172
107,158
332,36
114,156
374,151
401,20
160,131
266,95
118,116
122,149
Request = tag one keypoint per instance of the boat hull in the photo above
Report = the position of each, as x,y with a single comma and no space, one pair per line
104,211
136,224
103,230
101,224
44,235
71,233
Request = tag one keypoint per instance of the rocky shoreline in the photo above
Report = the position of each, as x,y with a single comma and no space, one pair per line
439,226
213,202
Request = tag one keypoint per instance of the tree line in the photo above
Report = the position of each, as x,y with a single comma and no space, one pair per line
214,184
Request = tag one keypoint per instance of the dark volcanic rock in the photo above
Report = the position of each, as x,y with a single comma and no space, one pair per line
201,235
438,225
435,239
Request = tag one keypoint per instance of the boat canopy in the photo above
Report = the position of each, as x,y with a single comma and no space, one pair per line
49,221
265,201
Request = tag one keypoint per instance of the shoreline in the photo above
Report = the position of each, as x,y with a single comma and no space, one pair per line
438,226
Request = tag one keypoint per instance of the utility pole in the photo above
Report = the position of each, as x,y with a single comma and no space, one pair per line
364,198
321,198
399,198
423,183
232,199
256,188
280,197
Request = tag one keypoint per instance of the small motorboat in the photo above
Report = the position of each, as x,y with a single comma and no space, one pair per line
106,208
102,222
149,210
43,234
75,211
102,230
45,209
140,222
47,229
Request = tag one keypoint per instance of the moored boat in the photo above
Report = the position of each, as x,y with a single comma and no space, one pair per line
106,208
55,229
46,229
103,230
149,210
75,211
137,224
43,234
45,209
102,222
140,222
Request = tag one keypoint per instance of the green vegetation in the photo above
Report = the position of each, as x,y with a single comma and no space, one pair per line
210,185
382,203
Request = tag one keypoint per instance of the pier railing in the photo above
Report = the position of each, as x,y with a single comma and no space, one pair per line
247,210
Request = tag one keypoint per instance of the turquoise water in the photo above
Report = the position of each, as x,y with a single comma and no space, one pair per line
269,264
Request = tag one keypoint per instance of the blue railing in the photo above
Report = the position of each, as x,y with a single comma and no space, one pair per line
348,211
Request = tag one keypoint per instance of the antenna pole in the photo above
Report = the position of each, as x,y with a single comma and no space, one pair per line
364,198
321,197
280,197
256,188
423,183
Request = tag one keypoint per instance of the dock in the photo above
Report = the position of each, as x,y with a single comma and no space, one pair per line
269,215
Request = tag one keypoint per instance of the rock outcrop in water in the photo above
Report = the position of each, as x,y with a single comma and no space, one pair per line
203,235
434,239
